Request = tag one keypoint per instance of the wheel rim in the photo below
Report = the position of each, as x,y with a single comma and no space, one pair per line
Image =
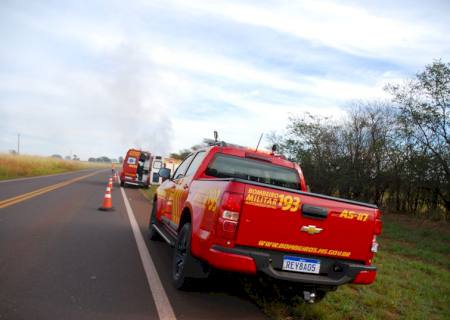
180,256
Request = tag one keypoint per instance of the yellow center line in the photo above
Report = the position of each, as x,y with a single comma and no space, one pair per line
11,201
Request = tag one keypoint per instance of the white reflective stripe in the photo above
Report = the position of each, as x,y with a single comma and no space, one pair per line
108,189
162,303
108,195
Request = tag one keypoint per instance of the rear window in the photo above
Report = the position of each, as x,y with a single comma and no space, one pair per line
131,160
224,166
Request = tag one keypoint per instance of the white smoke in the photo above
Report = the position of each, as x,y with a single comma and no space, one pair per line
140,102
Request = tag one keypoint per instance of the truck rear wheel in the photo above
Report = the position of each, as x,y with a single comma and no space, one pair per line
181,258
152,233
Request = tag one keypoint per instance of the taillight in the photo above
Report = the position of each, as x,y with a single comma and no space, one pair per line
230,209
374,247
378,223
232,201
230,215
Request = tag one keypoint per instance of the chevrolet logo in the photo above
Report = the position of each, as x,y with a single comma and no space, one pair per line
311,229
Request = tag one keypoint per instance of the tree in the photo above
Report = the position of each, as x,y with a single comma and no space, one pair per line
181,155
424,123
393,153
104,159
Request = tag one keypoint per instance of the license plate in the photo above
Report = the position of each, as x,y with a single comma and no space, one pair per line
301,264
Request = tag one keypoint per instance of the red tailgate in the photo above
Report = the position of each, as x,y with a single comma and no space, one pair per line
287,221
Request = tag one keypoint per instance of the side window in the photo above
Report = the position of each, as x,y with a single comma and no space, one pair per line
157,164
196,163
181,170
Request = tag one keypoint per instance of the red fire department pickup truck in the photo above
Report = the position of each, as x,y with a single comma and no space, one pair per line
235,209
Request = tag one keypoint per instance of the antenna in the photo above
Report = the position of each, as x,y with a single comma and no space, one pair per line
274,148
257,146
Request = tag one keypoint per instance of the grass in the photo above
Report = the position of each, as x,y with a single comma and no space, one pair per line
413,280
148,193
18,166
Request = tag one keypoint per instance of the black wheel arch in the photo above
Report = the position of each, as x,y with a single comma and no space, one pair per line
186,217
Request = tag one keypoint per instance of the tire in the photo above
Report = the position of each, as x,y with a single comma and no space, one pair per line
152,233
181,258
122,183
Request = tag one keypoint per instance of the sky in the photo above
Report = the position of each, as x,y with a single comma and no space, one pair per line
95,78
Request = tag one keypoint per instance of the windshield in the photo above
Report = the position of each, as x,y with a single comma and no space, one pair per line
224,166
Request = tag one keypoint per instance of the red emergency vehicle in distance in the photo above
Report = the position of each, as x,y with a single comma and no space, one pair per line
136,168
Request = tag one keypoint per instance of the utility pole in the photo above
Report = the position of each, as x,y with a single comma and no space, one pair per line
18,143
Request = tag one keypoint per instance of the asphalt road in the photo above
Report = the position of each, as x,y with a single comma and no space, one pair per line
61,258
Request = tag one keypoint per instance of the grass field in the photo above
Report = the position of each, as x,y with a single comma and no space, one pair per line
413,279
148,193
18,166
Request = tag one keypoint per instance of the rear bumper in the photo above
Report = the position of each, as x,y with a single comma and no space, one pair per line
333,272
129,180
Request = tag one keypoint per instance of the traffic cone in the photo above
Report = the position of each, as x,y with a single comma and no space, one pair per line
110,184
107,201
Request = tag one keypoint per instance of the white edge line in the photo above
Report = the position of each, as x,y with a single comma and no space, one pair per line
163,306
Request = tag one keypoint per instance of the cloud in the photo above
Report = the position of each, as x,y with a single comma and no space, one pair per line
349,28
99,77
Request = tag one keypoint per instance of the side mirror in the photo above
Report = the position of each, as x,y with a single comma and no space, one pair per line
164,173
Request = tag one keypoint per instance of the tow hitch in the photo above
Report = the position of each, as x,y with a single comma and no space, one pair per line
309,296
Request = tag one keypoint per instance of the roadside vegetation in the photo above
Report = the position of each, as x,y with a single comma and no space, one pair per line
395,152
19,166
148,193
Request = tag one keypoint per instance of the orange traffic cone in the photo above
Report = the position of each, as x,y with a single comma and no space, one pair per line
110,183
107,201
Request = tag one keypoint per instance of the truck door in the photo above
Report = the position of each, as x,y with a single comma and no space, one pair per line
146,169
156,165
182,183
130,165
167,189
